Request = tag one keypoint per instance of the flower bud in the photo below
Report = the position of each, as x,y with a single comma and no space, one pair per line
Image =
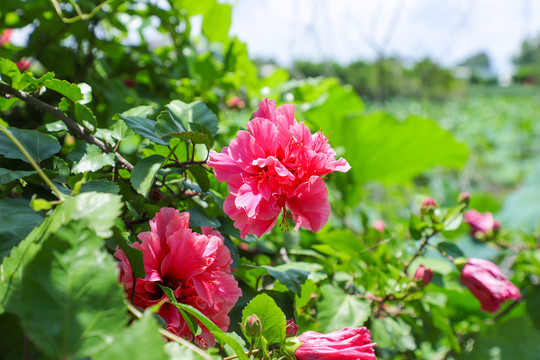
464,198
290,345
379,225
252,326
291,329
423,274
428,206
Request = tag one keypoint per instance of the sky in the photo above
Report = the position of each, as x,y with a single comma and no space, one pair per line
348,30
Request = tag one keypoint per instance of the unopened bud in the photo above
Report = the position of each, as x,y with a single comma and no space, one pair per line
290,345
291,328
252,326
464,198
155,195
379,225
423,274
428,206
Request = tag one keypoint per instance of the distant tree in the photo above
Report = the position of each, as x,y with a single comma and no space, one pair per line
528,62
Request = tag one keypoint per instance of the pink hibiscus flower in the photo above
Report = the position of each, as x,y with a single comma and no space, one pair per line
488,284
274,166
195,266
483,225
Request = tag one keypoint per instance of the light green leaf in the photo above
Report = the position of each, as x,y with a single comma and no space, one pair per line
85,116
41,146
120,131
271,316
183,352
140,111
337,310
71,91
216,22
145,332
143,174
76,281
416,145
7,176
93,160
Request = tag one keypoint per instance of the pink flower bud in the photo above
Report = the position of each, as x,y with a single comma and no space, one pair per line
5,36
423,274
464,198
23,64
428,202
342,344
236,103
482,225
253,326
379,225
291,329
488,284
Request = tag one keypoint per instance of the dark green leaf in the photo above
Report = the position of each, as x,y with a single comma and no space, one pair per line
134,255
17,219
416,227
7,176
449,248
76,281
290,277
41,146
100,185
144,173
201,175
198,218
533,307
180,117
144,127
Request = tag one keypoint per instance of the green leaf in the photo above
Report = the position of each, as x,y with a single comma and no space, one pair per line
271,316
416,145
216,22
290,277
512,339
181,117
71,91
100,185
337,309
85,116
99,210
41,146
149,343
140,111
188,318
93,160
308,288
17,219
75,281
201,175
416,227
449,248
194,137
144,127
134,255
533,307
393,333
120,131
183,352
7,176
220,335
144,172
198,218
8,68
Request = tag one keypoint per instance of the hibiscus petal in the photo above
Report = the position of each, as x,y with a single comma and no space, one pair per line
309,204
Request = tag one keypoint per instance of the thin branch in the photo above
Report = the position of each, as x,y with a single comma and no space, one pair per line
32,162
184,164
73,126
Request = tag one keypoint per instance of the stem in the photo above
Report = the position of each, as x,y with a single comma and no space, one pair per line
80,16
419,251
73,126
32,162
184,164
172,336
256,351
251,345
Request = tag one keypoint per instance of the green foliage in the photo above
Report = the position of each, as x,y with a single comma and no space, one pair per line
121,124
